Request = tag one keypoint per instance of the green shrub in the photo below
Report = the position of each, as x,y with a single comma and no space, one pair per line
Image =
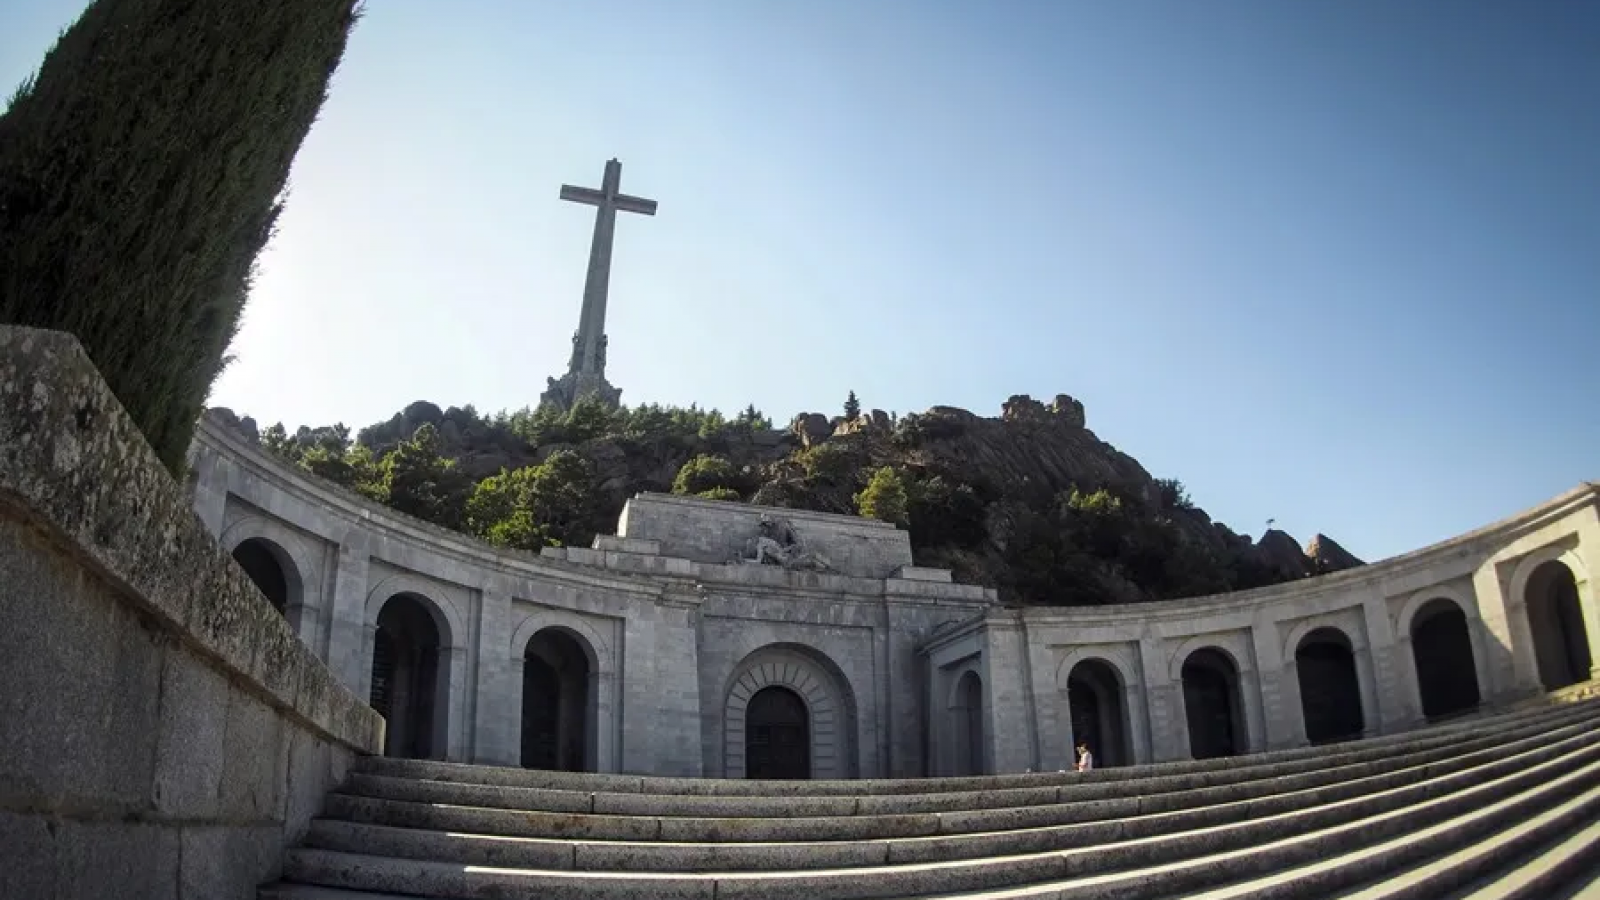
884,497
705,473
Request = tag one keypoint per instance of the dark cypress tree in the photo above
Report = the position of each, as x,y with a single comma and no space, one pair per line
141,173
852,408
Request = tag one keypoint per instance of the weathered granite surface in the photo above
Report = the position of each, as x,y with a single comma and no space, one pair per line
167,735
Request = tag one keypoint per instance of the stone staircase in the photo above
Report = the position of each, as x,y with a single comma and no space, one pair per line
1504,806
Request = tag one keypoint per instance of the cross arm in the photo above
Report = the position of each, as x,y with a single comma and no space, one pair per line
636,205
621,202
582,195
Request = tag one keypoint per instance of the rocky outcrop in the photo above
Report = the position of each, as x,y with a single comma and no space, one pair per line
1031,500
1327,556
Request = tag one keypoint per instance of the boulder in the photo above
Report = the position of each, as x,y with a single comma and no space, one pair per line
1328,556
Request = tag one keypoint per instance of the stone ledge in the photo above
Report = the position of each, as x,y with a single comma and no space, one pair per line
74,466
924,573
616,544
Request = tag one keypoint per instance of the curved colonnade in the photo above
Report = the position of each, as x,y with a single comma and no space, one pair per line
651,654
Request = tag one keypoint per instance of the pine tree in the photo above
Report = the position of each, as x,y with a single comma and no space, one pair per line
884,497
141,172
852,408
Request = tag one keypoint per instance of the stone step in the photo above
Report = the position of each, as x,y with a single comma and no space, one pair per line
633,804
1093,785
1298,809
1068,807
1565,864
1436,877
285,891
586,782
1175,860
1318,866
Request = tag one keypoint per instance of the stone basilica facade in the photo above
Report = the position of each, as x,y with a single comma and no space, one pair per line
712,639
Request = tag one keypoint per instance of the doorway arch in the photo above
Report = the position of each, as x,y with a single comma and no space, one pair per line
410,688
777,735
1555,619
1330,690
1213,705
269,568
1096,702
559,710
1441,650
828,700
966,725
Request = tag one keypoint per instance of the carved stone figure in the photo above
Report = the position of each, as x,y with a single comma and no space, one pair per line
776,544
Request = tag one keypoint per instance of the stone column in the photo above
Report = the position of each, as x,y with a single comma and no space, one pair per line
451,689
1396,704
1008,727
1255,726
1589,582
1281,718
1052,716
350,634
1138,706
905,731
1169,726
660,697
1502,644
498,729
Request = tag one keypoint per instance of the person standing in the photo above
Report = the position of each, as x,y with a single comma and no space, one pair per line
1085,758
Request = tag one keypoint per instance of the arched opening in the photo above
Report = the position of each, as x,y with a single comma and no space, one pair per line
777,735
824,692
1330,691
966,725
1211,703
260,561
408,684
558,714
1099,712
1441,648
1555,616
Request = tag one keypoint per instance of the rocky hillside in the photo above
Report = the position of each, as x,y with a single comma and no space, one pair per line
1032,501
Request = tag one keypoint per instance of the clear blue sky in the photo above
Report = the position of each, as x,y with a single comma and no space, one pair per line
1336,263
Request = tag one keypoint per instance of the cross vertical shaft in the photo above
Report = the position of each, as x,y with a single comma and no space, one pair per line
588,352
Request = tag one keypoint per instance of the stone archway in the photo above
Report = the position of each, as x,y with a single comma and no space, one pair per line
1095,701
410,685
269,567
1441,649
559,703
777,735
1213,704
966,725
824,692
1555,619
1330,689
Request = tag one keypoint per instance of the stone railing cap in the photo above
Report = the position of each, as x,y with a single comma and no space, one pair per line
73,464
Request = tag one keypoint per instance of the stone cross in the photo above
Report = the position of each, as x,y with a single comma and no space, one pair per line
588,352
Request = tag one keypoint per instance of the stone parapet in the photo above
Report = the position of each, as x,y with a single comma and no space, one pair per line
168,734
711,531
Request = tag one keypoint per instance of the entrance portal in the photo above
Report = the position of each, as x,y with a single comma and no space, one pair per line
1211,703
407,684
1560,640
557,724
1447,679
1330,692
777,742
256,557
1099,714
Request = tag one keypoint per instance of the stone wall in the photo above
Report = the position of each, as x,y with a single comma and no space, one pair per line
1025,658
165,734
710,531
